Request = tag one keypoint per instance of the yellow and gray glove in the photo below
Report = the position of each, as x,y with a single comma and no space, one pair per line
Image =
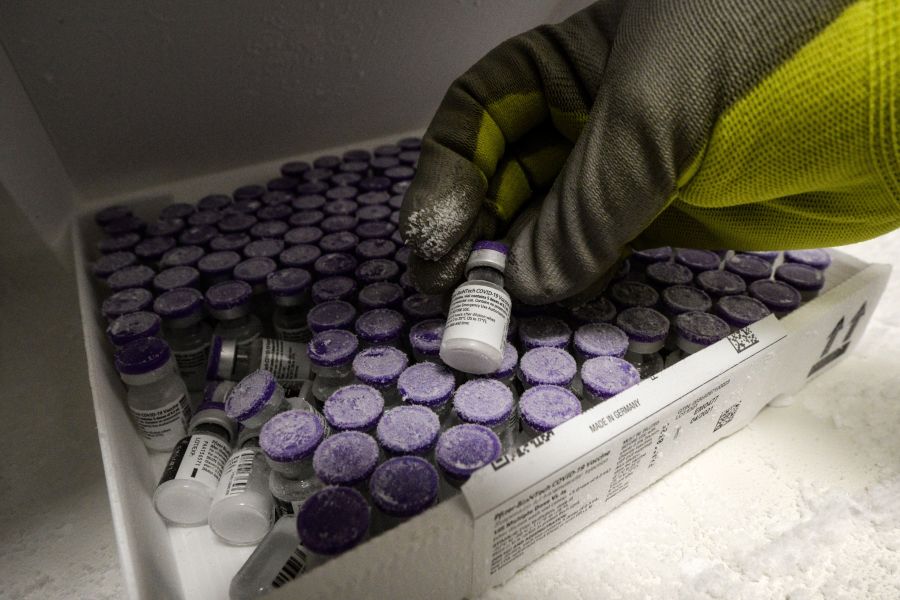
746,124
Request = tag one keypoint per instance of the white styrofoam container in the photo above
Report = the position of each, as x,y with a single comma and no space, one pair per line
443,554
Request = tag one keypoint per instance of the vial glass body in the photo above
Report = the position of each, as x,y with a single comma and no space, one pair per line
189,340
278,559
243,329
242,509
160,406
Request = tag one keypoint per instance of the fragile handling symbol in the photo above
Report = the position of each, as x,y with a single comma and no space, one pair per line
828,355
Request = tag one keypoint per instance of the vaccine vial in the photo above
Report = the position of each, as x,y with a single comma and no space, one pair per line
342,242
384,294
278,559
303,235
186,332
118,243
779,297
721,283
135,276
646,330
425,340
380,327
243,509
185,490
334,288
197,235
354,407
749,267
490,403
290,291
807,280
254,271
599,339
234,242
288,441
301,256
205,217
461,451
229,303
430,385
380,367
157,397
347,458
401,488
108,264
133,326
182,256
695,331
371,230
475,334
408,430
377,269
740,311
375,248
506,373
423,307
307,218
544,407
606,376
216,267
547,366
544,332
176,277
331,356
664,274
679,299
255,399
629,294
816,258
697,260
335,263
150,250
334,520
334,314
599,310
266,247
286,361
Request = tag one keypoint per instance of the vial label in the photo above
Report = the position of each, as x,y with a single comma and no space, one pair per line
478,312
236,474
294,567
285,360
192,362
204,460
175,459
166,425
294,334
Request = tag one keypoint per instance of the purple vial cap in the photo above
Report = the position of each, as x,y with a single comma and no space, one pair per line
142,356
599,310
606,376
133,326
333,314
346,458
244,206
376,212
335,263
721,283
373,198
311,187
328,161
483,402
198,235
333,520
333,288
308,202
700,328
643,324
377,269
425,337
118,243
237,223
214,202
402,256
547,366
369,249
165,229
508,362
420,307
601,339
294,168
278,197
653,255
154,247
404,486
380,164
178,303
302,235
544,407
205,217
254,270
318,174
685,298
375,230
176,277
332,348
803,277
228,294
357,154
815,258
380,365
271,216
387,150
341,200
409,157
633,293
379,325
282,184
263,248
301,256
346,177
341,241
108,264
127,224
410,143
778,296
306,218
249,395
749,267
408,430
178,210
665,274
491,245
464,449
249,192
229,241
354,407
274,230
697,260
375,184
740,311
383,294
539,332
336,223
107,215
126,301
182,256
291,436
288,282
426,384
218,263
134,276
767,255
400,173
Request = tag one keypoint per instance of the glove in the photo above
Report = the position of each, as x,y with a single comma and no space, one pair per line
752,125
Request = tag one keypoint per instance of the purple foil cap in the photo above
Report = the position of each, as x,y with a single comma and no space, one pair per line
107,215
508,363
178,303
308,202
340,197
346,458
371,230
198,235
126,301
263,248
205,217
606,376
301,256
254,270
544,407
380,366
290,436
627,294
547,366
599,310
375,184
410,143
377,212
332,348
420,307
816,258
700,328
539,332
337,223
464,449
269,230
382,163
328,161
409,157
685,298
721,283
396,202
387,150
383,294
425,337
342,241
119,243
335,263
377,269
346,177
282,184
244,206
179,210
237,223
214,202
373,198
408,430
354,407
142,356
665,274
778,296
276,198
400,173
357,154
491,245
379,325
108,264
749,267
127,224
697,260
135,276
404,486
370,249
740,311
333,520
803,277
483,402
333,288
133,326
176,277
249,192
426,384
306,218
311,187
334,314
250,394
165,229
643,325
288,282
402,256
228,294
270,217
601,339
218,263
302,235
229,241
318,174
294,168
182,256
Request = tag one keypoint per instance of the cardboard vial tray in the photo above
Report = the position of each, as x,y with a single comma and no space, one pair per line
518,508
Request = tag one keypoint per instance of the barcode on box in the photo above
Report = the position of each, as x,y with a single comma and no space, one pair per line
743,339
726,416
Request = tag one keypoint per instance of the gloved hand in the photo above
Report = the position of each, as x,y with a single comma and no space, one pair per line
745,124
